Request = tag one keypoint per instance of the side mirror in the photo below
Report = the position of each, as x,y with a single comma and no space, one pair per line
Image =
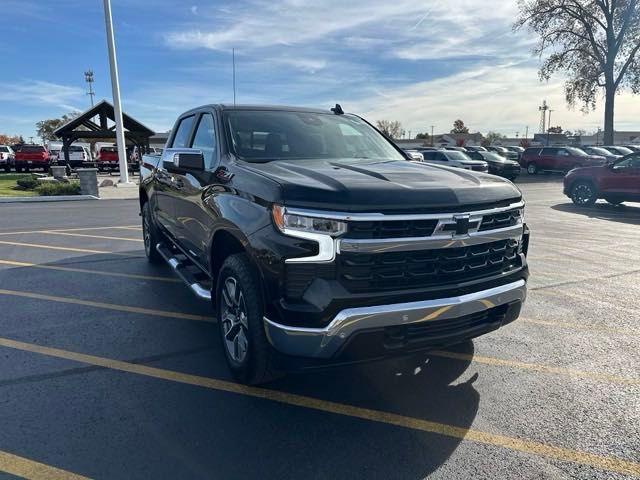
185,161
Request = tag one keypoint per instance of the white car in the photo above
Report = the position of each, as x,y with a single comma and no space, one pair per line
78,156
414,154
6,157
454,158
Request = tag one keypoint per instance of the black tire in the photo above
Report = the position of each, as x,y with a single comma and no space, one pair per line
18,169
150,235
583,193
240,312
614,201
7,169
532,168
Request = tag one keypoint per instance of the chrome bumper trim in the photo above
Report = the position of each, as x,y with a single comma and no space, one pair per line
428,243
325,342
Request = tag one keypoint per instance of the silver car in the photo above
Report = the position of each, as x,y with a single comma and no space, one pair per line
453,158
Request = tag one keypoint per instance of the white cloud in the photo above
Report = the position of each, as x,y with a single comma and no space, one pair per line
500,99
38,93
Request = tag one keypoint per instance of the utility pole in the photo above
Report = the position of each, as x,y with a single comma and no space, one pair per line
526,133
432,135
115,86
233,61
88,77
549,128
31,140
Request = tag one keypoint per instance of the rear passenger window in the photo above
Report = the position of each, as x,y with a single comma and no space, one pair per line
182,134
549,151
205,139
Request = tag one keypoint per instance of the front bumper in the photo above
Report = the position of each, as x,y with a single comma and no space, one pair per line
328,342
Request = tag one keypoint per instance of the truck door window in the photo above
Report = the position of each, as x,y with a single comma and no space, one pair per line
182,133
205,139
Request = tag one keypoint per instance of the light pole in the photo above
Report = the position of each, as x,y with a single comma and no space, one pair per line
432,135
88,77
549,127
115,86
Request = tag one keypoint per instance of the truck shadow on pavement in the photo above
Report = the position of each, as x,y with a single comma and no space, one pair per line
422,387
625,213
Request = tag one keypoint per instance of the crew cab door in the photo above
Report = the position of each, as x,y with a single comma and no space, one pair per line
195,219
166,191
623,179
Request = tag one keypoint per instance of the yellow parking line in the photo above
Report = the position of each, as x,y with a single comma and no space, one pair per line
107,306
535,367
612,464
25,468
65,249
126,227
93,272
70,234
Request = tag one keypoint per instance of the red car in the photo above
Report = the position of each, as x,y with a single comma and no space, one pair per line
29,157
108,159
616,182
561,159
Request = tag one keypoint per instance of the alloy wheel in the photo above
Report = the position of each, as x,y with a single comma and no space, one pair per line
235,324
583,194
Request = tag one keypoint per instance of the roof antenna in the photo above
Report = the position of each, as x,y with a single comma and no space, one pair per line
337,109
233,60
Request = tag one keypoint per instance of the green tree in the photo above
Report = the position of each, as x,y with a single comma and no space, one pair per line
422,136
595,42
557,129
459,127
45,128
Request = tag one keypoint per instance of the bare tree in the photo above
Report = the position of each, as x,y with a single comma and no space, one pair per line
557,129
391,128
595,42
492,137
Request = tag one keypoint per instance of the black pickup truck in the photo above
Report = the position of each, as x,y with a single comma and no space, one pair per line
319,242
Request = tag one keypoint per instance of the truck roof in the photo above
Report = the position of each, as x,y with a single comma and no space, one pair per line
280,108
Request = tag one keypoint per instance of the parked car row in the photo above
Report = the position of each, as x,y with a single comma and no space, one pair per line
24,158
480,159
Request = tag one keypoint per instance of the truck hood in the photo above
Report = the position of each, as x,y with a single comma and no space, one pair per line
382,185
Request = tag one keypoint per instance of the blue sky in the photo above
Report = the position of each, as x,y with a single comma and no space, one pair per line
420,62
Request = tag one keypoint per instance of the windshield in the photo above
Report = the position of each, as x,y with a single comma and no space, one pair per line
622,150
285,135
598,151
32,149
4,149
455,155
576,151
492,156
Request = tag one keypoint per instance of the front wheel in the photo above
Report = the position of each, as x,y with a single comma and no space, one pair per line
150,235
240,313
583,194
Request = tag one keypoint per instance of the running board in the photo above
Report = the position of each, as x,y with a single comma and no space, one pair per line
181,269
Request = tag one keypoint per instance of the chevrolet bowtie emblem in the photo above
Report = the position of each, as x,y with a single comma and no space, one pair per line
462,224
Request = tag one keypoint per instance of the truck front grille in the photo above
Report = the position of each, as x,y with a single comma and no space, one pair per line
361,273
500,220
391,229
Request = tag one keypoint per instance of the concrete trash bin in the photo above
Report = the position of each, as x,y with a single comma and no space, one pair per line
58,171
88,181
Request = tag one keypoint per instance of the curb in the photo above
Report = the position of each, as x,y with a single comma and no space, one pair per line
45,198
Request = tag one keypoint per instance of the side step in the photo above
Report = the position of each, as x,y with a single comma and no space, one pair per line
182,268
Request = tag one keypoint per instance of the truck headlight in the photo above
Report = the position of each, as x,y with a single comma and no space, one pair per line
285,220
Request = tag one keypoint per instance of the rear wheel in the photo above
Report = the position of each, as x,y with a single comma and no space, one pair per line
614,201
532,168
7,168
240,313
583,193
18,169
150,235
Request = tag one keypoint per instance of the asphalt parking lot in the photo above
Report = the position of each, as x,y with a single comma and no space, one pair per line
111,368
